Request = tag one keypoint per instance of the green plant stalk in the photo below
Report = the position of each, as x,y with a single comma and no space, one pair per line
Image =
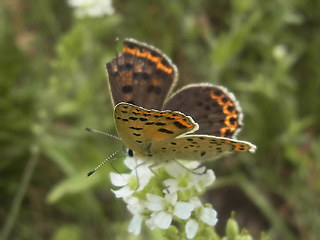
269,212
16,204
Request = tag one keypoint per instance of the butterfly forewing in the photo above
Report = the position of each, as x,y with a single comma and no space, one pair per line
198,147
214,108
140,128
141,75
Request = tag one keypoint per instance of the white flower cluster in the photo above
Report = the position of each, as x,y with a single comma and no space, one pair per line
169,195
92,8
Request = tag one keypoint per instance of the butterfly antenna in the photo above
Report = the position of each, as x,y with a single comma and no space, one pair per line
105,161
103,133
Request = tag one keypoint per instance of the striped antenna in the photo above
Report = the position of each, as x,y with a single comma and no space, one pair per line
105,161
103,133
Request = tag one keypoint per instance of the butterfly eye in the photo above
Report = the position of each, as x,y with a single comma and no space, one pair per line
130,152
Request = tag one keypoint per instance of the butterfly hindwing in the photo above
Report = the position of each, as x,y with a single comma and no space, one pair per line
214,108
141,75
198,147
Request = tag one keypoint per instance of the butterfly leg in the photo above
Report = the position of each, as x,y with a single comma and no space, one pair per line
136,171
193,171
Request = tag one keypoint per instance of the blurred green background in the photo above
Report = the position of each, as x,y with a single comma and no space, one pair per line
53,84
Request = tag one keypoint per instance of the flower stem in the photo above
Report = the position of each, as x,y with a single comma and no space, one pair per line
16,204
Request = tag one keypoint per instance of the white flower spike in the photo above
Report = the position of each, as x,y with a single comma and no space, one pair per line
92,8
158,206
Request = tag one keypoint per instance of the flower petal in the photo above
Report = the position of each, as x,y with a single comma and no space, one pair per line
123,192
130,200
209,216
200,170
154,198
171,198
119,180
131,162
135,224
183,210
190,164
174,169
154,206
192,228
196,202
162,220
171,185
144,176
154,202
136,207
209,178
150,223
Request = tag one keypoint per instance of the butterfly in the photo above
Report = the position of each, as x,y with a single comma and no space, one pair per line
198,122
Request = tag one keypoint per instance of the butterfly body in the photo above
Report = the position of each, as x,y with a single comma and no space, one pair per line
198,122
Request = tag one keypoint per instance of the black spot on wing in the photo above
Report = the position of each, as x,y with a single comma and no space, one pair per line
232,120
228,132
127,89
225,99
135,128
128,67
170,118
230,108
217,92
141,76
179,125
165,131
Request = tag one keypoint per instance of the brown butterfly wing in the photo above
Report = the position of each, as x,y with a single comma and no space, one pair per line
141,75
198,148
214,108
140,128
